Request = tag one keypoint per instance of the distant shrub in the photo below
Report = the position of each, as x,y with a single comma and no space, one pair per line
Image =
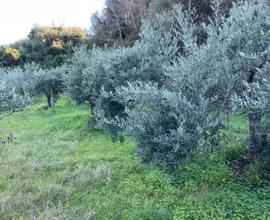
9,57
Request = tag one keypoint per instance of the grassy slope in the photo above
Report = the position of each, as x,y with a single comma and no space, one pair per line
56,168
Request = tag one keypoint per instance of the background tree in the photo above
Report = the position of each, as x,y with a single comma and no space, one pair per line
119,22
203,7
49,46
9,57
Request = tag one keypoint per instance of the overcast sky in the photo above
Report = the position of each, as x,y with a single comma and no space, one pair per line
18,16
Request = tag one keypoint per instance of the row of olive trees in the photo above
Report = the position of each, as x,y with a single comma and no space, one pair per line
171,92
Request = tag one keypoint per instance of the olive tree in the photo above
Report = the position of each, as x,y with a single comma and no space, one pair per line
73,79
10,99
145,61
243,42
48,82
94,74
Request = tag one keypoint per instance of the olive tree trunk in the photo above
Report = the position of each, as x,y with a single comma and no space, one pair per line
255,133
255,120
50,99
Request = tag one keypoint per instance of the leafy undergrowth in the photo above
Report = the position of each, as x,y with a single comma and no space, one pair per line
53,166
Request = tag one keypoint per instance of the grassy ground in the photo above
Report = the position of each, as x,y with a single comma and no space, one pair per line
53,167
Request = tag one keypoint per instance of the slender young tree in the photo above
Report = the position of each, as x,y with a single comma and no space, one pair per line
49,83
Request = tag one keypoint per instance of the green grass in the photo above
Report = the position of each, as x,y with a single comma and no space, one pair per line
56,167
